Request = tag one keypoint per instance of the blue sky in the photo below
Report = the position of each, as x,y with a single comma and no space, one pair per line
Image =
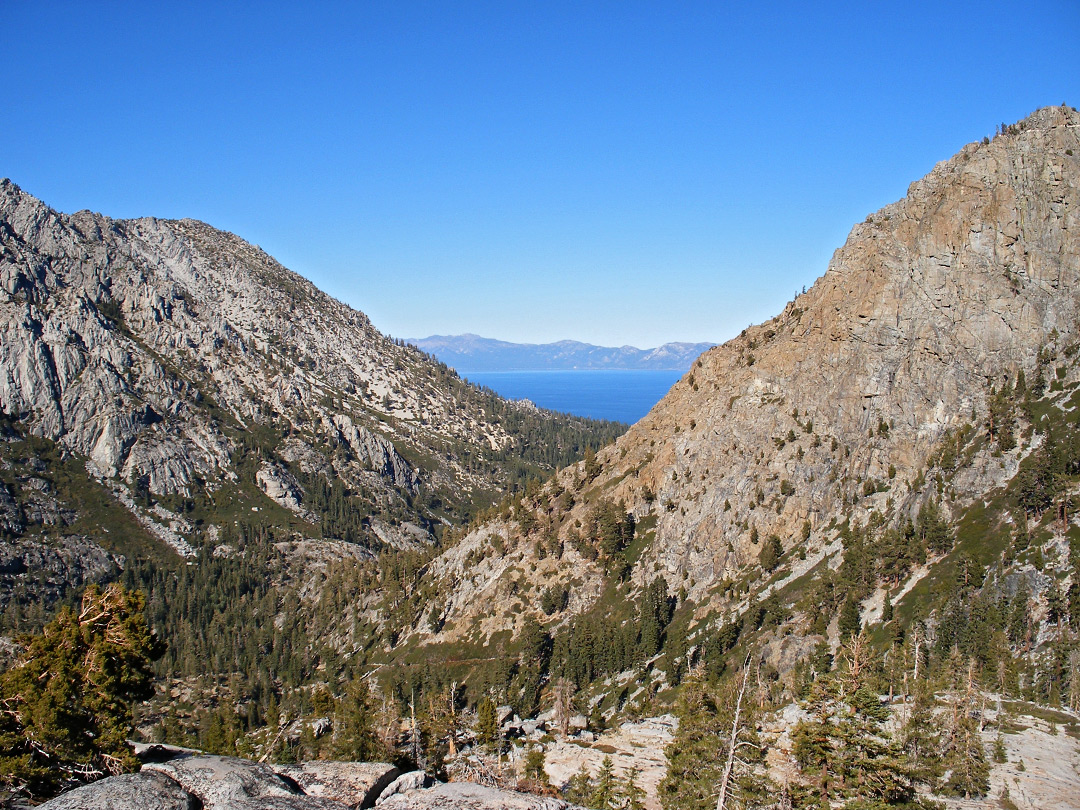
610,172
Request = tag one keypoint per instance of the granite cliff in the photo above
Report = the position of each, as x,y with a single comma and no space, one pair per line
837,409
184,381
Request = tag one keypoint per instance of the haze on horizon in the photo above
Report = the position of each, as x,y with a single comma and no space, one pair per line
624,174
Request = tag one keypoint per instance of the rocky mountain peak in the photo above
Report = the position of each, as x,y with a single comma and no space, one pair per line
192,372
832,409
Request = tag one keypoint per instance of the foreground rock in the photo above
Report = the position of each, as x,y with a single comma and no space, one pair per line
406,783
189,781
225,783
145,791
356,784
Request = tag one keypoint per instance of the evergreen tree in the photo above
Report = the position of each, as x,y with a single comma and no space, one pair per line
694,753
965,758
604,790
771,551
579,788
655,613
850,621
715,752
887,609
67,703
355,737
920,736
535,765
844,749
632,794
487,723
932,529
532,666
1000,420
814,743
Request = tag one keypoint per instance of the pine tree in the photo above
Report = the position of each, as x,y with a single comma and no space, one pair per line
715,754
849,622
604,793
965,758
932,529
844,749
535,765
693,755
355,737
632,794
920,736
814,743
487,723
67,703
579,788
771,551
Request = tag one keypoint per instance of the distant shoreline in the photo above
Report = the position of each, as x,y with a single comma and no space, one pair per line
486,355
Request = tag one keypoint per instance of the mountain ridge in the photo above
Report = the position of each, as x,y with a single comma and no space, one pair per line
834,409
470,352
199,379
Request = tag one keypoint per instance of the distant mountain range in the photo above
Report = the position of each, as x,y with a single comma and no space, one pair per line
474,353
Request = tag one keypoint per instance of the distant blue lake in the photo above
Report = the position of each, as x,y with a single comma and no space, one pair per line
616,394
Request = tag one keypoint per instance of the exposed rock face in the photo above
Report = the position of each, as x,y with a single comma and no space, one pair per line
74,561
114,332
181,361
374,452
356,784
11,517
930,302
137,791
281,487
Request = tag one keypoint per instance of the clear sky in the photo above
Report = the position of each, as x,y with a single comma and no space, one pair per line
619,173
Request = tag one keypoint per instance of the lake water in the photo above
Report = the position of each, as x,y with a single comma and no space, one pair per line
619,395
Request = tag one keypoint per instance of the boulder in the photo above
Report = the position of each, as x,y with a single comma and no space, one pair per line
406,783
357,784
131,791
229,783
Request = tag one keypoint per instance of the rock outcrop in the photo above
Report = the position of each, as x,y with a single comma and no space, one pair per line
191,781
357,784
182,365
226,783
836,406
135,791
